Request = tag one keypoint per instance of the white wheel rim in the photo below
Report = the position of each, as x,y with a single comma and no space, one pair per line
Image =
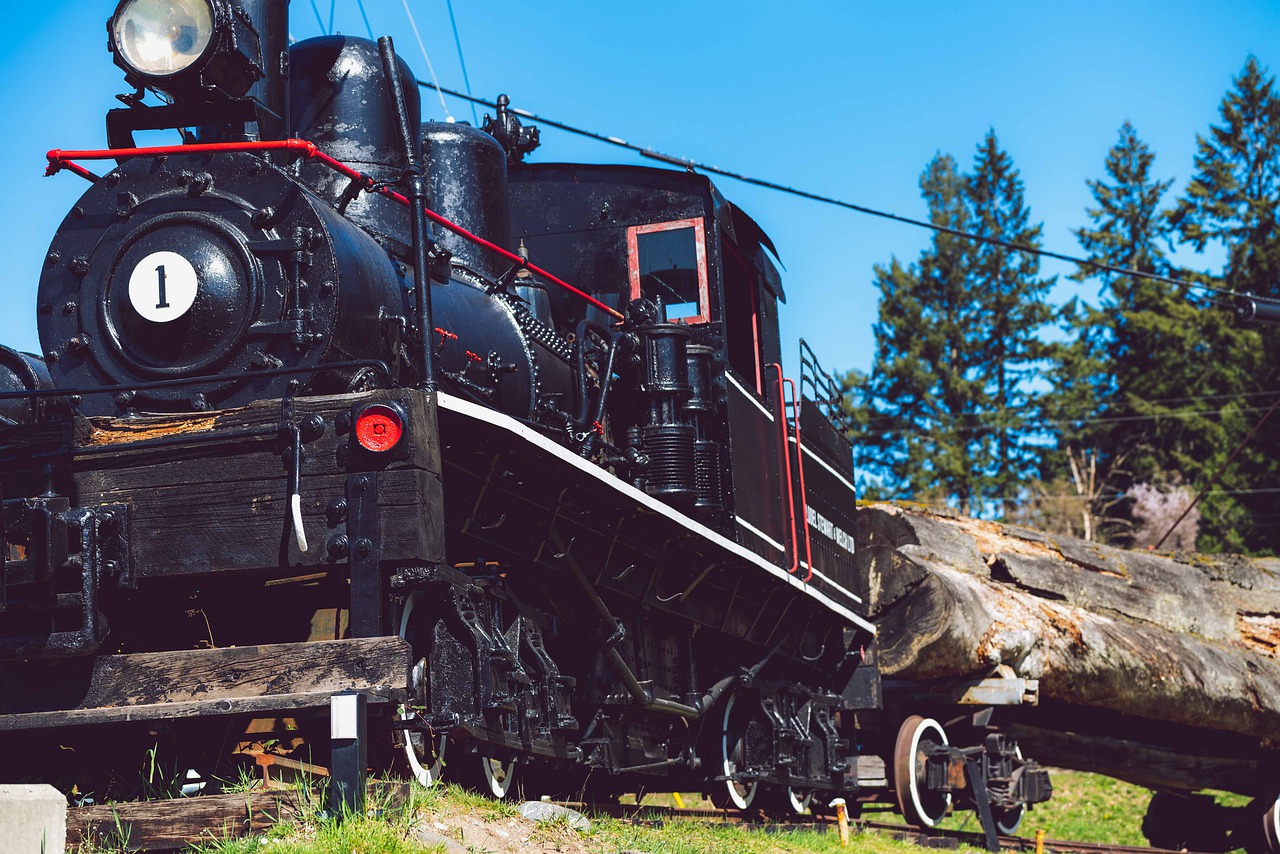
1009,822
497,776
740,799
796,803
1273,824
928,820
415,743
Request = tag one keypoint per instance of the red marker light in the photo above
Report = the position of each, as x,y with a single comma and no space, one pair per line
379,428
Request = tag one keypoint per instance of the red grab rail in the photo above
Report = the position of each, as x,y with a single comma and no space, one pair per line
790,491
59,160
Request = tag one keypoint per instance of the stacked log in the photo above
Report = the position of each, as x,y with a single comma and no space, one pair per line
1159,668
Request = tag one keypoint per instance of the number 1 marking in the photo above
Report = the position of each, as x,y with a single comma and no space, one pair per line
163,303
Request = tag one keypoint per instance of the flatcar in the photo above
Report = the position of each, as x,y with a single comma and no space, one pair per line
312,414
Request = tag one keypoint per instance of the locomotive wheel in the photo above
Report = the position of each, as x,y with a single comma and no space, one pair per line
423,752
787,800
732,744
484,774
917,737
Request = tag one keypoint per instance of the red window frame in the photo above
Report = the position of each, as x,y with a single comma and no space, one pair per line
700,250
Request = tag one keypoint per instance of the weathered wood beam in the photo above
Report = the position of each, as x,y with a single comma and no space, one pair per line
189,683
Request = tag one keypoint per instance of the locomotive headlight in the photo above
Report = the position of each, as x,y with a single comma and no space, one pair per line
203,50
160,38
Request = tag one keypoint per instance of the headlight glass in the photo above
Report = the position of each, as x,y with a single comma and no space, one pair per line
160,38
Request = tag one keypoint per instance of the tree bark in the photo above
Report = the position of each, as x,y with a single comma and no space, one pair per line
1188,642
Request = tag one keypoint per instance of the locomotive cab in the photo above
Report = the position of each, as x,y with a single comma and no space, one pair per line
778,470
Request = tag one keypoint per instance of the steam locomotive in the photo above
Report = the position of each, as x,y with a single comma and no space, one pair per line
288,434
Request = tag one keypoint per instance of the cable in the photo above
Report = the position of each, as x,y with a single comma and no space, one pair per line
887,420
333,5
369,29
417,35
1217,474
319,20
461,60
829,200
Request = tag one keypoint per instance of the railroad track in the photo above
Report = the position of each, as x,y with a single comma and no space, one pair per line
927,837
166,825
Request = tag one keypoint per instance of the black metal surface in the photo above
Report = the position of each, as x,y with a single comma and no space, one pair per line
23,372
466,171
339,99
280,280
52,596
368,585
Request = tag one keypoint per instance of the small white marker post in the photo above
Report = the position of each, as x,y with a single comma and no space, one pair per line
349,752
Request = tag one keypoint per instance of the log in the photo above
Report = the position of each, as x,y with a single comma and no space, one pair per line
1190,642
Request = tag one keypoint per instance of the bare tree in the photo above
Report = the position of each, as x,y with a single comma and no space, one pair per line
1155,510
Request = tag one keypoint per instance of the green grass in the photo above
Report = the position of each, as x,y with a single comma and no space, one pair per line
1085,807
1090,808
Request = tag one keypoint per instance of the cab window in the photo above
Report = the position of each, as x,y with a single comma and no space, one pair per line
667,263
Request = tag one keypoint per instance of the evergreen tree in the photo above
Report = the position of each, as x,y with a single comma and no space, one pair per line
1232,201
1233,196
1139,389
904,419
1013,311
945,411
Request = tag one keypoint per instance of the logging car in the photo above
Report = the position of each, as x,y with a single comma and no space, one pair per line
313,414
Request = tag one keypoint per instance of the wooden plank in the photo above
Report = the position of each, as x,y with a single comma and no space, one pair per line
174,824
242,518
187,683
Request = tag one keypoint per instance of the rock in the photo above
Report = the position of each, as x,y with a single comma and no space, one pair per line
426,836
544,813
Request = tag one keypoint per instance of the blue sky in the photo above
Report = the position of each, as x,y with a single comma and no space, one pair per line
847,99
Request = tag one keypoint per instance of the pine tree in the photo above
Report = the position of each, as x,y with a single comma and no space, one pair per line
1013,311
946,408
1233,196
1140,390
905,416
1232,201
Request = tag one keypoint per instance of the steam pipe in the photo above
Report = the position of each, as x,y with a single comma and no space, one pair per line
419,236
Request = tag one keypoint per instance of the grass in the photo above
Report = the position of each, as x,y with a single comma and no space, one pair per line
1085,807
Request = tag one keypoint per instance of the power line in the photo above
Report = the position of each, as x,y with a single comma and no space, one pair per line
461,60
369,29
417,35
319,20
691,165
989,417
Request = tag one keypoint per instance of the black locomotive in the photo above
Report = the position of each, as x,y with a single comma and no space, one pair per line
287,436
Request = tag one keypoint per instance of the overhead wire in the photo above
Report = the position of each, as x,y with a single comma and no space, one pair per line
694,165
453,22
365,16
319,20
1090,263
421,46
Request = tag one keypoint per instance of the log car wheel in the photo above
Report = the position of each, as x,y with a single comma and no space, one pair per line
1271,823
916,739
1008,820
424,753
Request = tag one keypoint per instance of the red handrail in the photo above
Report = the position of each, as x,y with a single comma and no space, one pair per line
804,495
59,160
786,466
